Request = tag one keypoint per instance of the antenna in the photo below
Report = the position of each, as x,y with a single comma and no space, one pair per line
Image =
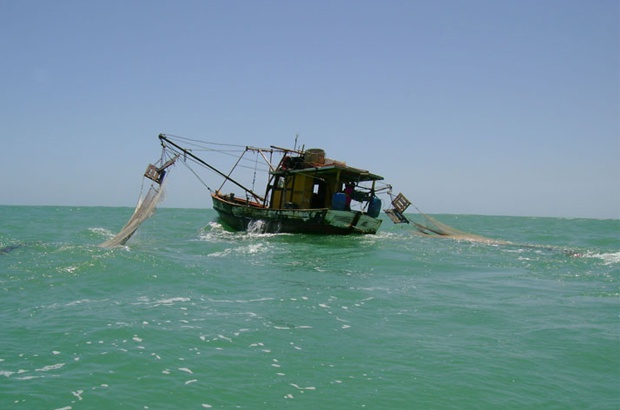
295,147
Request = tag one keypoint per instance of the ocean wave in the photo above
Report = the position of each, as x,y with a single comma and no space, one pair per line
161,302
50,367
251,249
607,258
101,232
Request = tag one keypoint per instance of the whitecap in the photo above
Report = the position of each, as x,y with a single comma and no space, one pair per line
79,302
607,258
102,232
240,300
50,367
224,338
165,302
302,388
254,248
215,232
220,254
172,301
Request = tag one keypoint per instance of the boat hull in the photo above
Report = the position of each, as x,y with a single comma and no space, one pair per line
248,217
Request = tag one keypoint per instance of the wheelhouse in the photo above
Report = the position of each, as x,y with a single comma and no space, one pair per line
312,181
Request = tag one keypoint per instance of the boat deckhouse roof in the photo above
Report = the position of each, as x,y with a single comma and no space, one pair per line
346,173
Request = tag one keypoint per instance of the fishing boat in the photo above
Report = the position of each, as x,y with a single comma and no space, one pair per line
306,192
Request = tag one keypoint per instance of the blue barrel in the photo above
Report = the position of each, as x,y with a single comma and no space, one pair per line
374,207
339,201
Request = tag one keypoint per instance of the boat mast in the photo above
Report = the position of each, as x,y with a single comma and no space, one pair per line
163,138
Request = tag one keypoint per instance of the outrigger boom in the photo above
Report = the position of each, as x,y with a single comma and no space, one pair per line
165,140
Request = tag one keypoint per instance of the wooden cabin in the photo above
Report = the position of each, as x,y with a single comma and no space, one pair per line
310,181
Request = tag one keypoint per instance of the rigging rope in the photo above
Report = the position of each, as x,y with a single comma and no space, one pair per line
204,143
197,176
255,167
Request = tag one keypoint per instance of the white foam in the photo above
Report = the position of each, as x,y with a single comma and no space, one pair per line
166,302
172,301
102,232
302,388
50,367
240,300
250,249
79,302
221,254
256,227
607,258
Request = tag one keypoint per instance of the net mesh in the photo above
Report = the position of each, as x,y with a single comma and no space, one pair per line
144,210
429,226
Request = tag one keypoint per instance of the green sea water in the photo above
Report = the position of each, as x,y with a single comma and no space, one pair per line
191,316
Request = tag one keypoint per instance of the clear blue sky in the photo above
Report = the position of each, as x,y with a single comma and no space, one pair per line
471,107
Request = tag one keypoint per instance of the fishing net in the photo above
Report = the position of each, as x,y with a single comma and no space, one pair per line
146,204
429,226
144,210
432,227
